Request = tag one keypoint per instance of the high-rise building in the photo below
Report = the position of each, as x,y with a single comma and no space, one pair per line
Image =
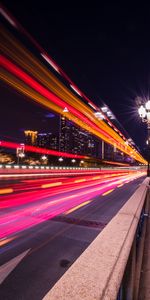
71,138
54,142
43,140
47,140
89,144
30,137
76,140
64,134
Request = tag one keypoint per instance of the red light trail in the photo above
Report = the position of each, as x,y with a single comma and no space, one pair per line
40,150
7,64
34,207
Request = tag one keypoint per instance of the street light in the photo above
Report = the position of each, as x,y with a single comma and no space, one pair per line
44,159
73,160
20,153
60,159
144,112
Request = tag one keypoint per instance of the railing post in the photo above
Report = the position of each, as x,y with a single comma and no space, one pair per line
140,249
129,276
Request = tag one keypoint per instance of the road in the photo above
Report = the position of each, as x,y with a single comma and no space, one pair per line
47,223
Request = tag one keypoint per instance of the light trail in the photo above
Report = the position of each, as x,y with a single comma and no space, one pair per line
76,207
34,149
8,65
83,116
108,192
6,191
120,185
47,57
58,201
28,185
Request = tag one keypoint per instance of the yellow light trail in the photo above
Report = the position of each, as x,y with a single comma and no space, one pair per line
96,177
23,88
79,180
39,72
47,185
76,207
6,191
20,55
108,192
16,83
6,241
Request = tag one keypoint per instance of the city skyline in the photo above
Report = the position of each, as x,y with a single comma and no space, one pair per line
69,139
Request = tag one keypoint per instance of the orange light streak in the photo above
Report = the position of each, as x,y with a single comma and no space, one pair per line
19,54
47,185
108,192
6,191
79,180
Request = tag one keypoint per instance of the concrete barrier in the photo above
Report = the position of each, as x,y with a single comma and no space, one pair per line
98,272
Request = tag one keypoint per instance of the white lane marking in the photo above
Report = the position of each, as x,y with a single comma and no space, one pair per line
8,267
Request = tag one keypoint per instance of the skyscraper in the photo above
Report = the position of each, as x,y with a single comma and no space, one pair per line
47,140
74,139
64,134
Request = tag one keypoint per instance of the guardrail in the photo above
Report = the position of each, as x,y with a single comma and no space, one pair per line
105,270
46,168
16,167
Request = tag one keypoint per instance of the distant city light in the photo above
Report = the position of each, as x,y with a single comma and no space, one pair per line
99,115
104,109
109,113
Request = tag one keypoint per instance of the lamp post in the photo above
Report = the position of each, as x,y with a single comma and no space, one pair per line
144,112
20,153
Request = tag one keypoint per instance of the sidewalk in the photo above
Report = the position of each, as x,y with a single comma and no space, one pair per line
144,289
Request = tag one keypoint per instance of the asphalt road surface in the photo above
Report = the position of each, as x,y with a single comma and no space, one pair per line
45,226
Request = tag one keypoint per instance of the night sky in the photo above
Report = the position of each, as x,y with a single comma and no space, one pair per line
104,48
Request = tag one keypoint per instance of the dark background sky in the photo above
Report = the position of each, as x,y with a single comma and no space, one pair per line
103,47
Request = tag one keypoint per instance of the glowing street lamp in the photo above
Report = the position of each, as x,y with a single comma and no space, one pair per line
60,159
73,160
144,113
44,159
